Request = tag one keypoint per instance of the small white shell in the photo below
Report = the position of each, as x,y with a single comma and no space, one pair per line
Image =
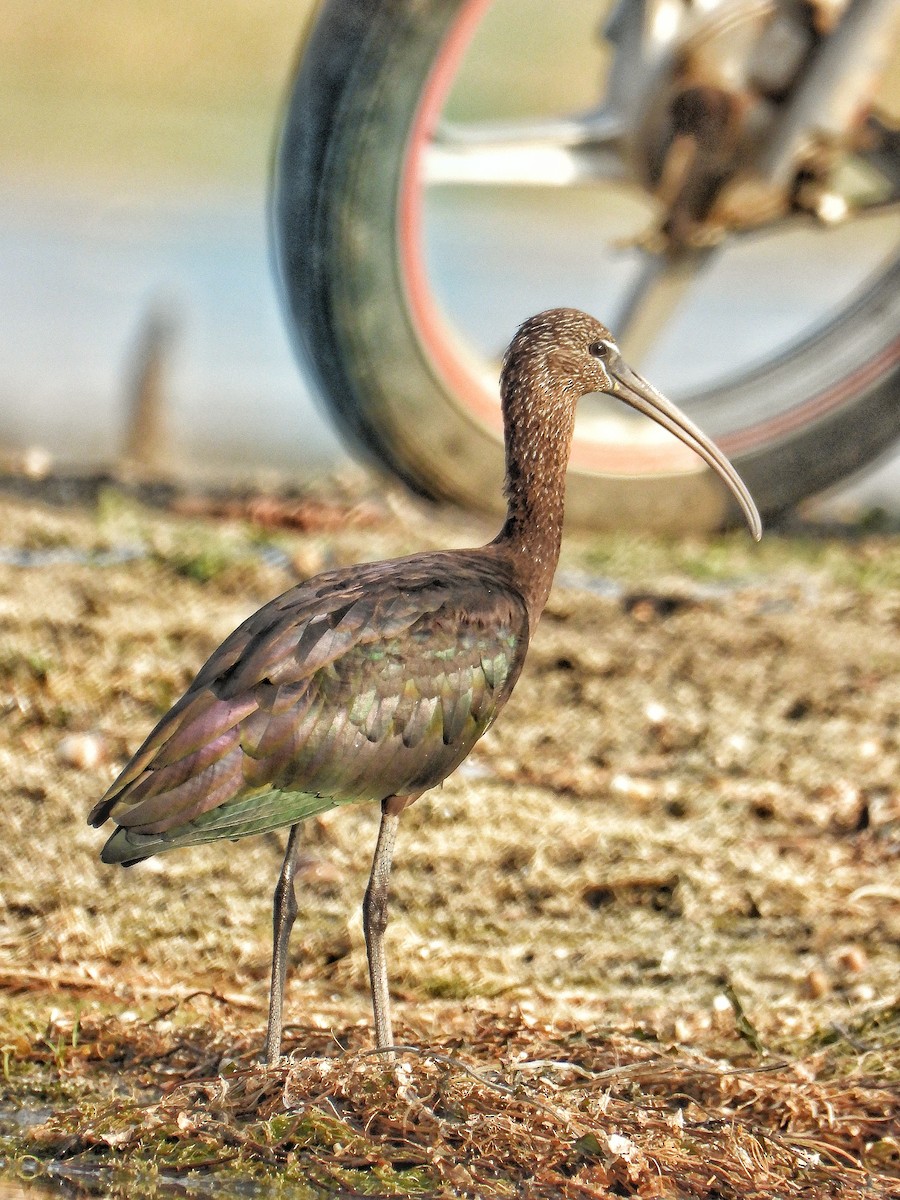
82,750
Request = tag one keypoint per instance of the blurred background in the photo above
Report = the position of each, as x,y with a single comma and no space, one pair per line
136,151
135,158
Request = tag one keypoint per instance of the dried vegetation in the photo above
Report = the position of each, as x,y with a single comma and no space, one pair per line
644,943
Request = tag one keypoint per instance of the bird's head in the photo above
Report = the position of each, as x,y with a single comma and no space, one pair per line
564,354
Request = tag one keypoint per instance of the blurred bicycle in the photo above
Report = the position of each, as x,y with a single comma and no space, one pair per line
729,206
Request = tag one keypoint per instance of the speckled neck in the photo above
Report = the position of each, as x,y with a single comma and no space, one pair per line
539,424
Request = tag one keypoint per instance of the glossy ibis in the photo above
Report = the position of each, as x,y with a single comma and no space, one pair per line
374,682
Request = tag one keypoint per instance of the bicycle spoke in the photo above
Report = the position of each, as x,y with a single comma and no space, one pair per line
655,297
548,152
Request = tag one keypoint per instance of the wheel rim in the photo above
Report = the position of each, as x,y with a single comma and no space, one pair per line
605,444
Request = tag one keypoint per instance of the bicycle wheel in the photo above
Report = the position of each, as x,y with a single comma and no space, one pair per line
404,282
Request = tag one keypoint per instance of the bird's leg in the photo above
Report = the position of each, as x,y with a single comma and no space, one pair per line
284,910
375,917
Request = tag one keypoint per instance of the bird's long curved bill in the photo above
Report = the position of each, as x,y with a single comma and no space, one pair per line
634,390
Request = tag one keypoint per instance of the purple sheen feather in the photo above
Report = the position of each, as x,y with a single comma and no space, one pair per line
319,647
253,730
307,728
219,793
132,792
163,778
267,657
284,765
139,761
223,658
284,697
262,772
280,731
218,782
277,770
202,721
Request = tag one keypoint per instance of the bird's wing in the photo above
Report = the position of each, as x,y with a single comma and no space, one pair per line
359,685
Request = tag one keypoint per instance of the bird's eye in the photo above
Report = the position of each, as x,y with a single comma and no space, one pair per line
599,349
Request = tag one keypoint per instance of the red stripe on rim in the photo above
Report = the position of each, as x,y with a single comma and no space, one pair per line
434,333
745,440
455,366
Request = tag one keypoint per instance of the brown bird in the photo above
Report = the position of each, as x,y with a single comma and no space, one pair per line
375,681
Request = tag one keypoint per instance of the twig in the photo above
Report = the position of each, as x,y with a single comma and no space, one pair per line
503,1088
167,1012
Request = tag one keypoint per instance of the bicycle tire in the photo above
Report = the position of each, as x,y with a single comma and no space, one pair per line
340,161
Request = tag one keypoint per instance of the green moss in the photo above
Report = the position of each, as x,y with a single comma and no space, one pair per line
120,1143
868,1042
197,556
449,987
39,666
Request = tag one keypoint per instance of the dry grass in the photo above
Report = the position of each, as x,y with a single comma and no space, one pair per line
645,943
483,1103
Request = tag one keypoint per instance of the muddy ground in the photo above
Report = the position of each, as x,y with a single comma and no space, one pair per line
644,942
